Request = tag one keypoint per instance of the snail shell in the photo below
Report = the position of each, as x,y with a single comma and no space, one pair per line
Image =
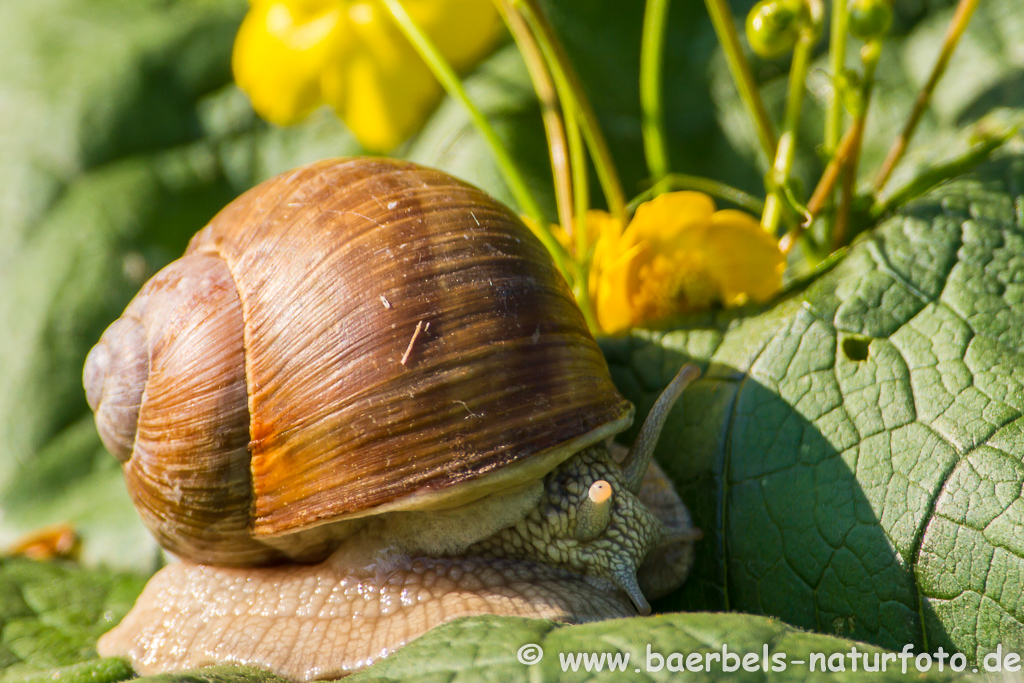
355,337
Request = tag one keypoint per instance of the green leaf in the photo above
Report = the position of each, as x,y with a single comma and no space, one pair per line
108,670
51,615
486,649
854,455
217,674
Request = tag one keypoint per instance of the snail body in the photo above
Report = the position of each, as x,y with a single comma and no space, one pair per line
369,365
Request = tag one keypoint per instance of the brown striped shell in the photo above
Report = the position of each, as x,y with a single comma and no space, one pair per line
353,337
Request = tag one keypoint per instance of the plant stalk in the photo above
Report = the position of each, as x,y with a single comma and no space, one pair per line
962,16
837,63
573,97
652,57
870,54
791,123
739,67
551,114
827,182
681,181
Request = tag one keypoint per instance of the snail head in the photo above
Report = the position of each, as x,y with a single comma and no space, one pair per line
590,520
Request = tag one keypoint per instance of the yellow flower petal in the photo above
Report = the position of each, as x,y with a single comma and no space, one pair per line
603,231
742,258
384,90
614,302
463,30
678,255
279,54
666,216
293,55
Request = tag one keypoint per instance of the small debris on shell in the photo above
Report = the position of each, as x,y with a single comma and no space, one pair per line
412,342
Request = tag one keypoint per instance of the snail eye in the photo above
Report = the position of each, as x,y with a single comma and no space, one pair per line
595,512
600,491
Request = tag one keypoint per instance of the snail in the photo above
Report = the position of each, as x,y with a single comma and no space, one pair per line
363,403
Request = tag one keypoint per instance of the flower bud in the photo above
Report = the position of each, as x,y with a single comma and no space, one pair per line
773,26
870,19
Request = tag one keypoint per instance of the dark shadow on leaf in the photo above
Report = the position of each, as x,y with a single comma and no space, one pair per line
788,530
1008,92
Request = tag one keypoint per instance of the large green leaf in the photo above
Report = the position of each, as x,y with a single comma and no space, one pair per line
854,455
652,648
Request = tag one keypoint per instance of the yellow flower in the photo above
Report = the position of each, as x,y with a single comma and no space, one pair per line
678,254
291,56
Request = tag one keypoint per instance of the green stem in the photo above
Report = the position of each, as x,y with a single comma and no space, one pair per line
827,182
568,157
961,17
681,181
837,62
551,114
652,57
444,73
870,54
791,123
571,93
739,67
581,291
839,229
581,190
826,185
583,247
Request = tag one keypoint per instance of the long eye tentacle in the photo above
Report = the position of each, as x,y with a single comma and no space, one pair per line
639,458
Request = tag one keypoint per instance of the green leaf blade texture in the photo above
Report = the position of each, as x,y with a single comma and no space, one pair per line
855,454
485,649
51,614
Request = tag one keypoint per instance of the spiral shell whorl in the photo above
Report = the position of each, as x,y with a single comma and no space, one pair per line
167,382
115,377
